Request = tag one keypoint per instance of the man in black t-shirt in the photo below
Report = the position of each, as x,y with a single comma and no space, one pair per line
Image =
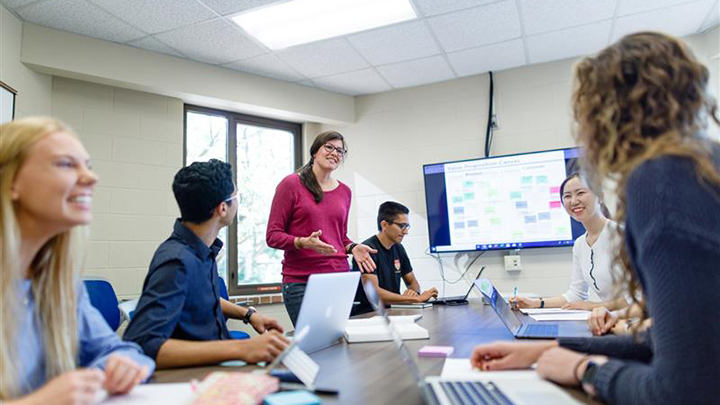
391,260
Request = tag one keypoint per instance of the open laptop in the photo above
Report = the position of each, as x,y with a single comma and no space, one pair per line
326,308
457,299
452,391
528,330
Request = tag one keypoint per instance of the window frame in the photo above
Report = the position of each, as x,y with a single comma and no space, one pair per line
233,119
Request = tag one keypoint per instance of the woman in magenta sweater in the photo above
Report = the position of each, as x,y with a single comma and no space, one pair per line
308,220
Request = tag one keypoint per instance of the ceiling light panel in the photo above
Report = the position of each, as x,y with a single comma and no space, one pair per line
297,22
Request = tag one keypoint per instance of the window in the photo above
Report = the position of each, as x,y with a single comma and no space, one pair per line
262,151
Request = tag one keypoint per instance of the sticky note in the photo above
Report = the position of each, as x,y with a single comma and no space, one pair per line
435,351
292,398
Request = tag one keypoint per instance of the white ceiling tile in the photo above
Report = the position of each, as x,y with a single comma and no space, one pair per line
568,43
417,72
396,43
15,3
214,42
434,7
79,17
225,7
153,44
268,66
713,18
542,15
679,20
157,15
323,58
477,26
364,81
494,57
639,6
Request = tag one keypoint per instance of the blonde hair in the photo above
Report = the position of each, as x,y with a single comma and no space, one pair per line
53,271
639,99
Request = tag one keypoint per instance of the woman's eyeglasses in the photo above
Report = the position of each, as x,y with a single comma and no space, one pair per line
340,151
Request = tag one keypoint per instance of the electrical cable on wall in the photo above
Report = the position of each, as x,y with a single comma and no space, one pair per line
489,129
442,269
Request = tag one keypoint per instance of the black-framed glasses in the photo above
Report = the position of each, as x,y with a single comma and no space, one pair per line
340,151
402,225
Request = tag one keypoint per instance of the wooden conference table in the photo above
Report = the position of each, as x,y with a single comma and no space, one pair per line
374,373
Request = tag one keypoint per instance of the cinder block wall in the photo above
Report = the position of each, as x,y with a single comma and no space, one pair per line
136,143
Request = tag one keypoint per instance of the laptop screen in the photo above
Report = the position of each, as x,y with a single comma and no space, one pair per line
498,303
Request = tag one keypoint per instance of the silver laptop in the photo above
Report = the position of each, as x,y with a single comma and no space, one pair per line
326,308
528,330
453,391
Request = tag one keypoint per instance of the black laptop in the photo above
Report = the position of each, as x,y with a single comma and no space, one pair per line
457,299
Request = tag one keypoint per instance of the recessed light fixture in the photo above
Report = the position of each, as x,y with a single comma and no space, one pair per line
300,21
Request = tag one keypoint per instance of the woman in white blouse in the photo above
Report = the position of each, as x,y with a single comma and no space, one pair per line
592,254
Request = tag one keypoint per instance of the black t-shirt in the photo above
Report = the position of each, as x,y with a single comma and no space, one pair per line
391,264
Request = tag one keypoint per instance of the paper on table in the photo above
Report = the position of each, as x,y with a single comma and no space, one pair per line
461,368
533,311
559,316
150,394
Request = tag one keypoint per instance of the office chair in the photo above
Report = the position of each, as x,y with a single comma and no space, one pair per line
235,334
103,298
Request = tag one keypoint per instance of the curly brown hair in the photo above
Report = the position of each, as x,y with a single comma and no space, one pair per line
639,99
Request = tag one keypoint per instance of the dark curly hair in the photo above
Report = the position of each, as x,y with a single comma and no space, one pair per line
200,187
639,99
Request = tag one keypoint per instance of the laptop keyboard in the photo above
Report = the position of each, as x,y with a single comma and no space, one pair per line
539,329
474,392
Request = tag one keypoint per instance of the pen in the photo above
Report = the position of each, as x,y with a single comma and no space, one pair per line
514,301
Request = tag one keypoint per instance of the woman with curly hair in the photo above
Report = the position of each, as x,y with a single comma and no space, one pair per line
642,109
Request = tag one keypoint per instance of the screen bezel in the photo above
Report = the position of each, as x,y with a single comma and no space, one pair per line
544,246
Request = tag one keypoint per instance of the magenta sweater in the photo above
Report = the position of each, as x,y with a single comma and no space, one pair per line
294,212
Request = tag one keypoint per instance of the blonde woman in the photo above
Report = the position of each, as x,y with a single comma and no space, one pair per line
642,109
56,348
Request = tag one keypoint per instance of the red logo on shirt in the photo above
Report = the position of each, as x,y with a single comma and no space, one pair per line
397,265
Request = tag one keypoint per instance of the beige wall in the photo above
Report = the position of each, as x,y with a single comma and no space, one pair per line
135,140
33,89
397,132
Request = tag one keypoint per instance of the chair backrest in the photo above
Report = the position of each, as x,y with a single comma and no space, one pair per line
223,289
102,296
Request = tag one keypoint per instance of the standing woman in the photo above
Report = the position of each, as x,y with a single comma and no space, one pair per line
308,220
56,348
593,254
642,109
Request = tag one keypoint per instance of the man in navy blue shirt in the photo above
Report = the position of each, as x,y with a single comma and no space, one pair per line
180,318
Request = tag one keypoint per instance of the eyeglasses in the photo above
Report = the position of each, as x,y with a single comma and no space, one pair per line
340,151
402,225
232,197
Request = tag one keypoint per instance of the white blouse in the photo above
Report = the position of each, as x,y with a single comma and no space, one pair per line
593,276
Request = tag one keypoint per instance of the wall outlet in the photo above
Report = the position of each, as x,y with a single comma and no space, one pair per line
512,263
494,123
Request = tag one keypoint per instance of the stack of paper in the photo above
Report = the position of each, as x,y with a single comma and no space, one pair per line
419,305
375,329
556,314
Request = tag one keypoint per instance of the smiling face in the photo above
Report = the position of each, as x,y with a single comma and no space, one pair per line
327,157
579,202
54,187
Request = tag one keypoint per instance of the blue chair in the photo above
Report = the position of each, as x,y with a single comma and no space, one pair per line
102,296
235,334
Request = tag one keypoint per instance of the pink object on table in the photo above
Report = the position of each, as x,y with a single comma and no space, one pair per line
435,351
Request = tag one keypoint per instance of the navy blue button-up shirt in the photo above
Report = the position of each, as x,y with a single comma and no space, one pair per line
181,294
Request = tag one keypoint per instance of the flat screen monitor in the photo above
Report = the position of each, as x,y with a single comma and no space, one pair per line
500,202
